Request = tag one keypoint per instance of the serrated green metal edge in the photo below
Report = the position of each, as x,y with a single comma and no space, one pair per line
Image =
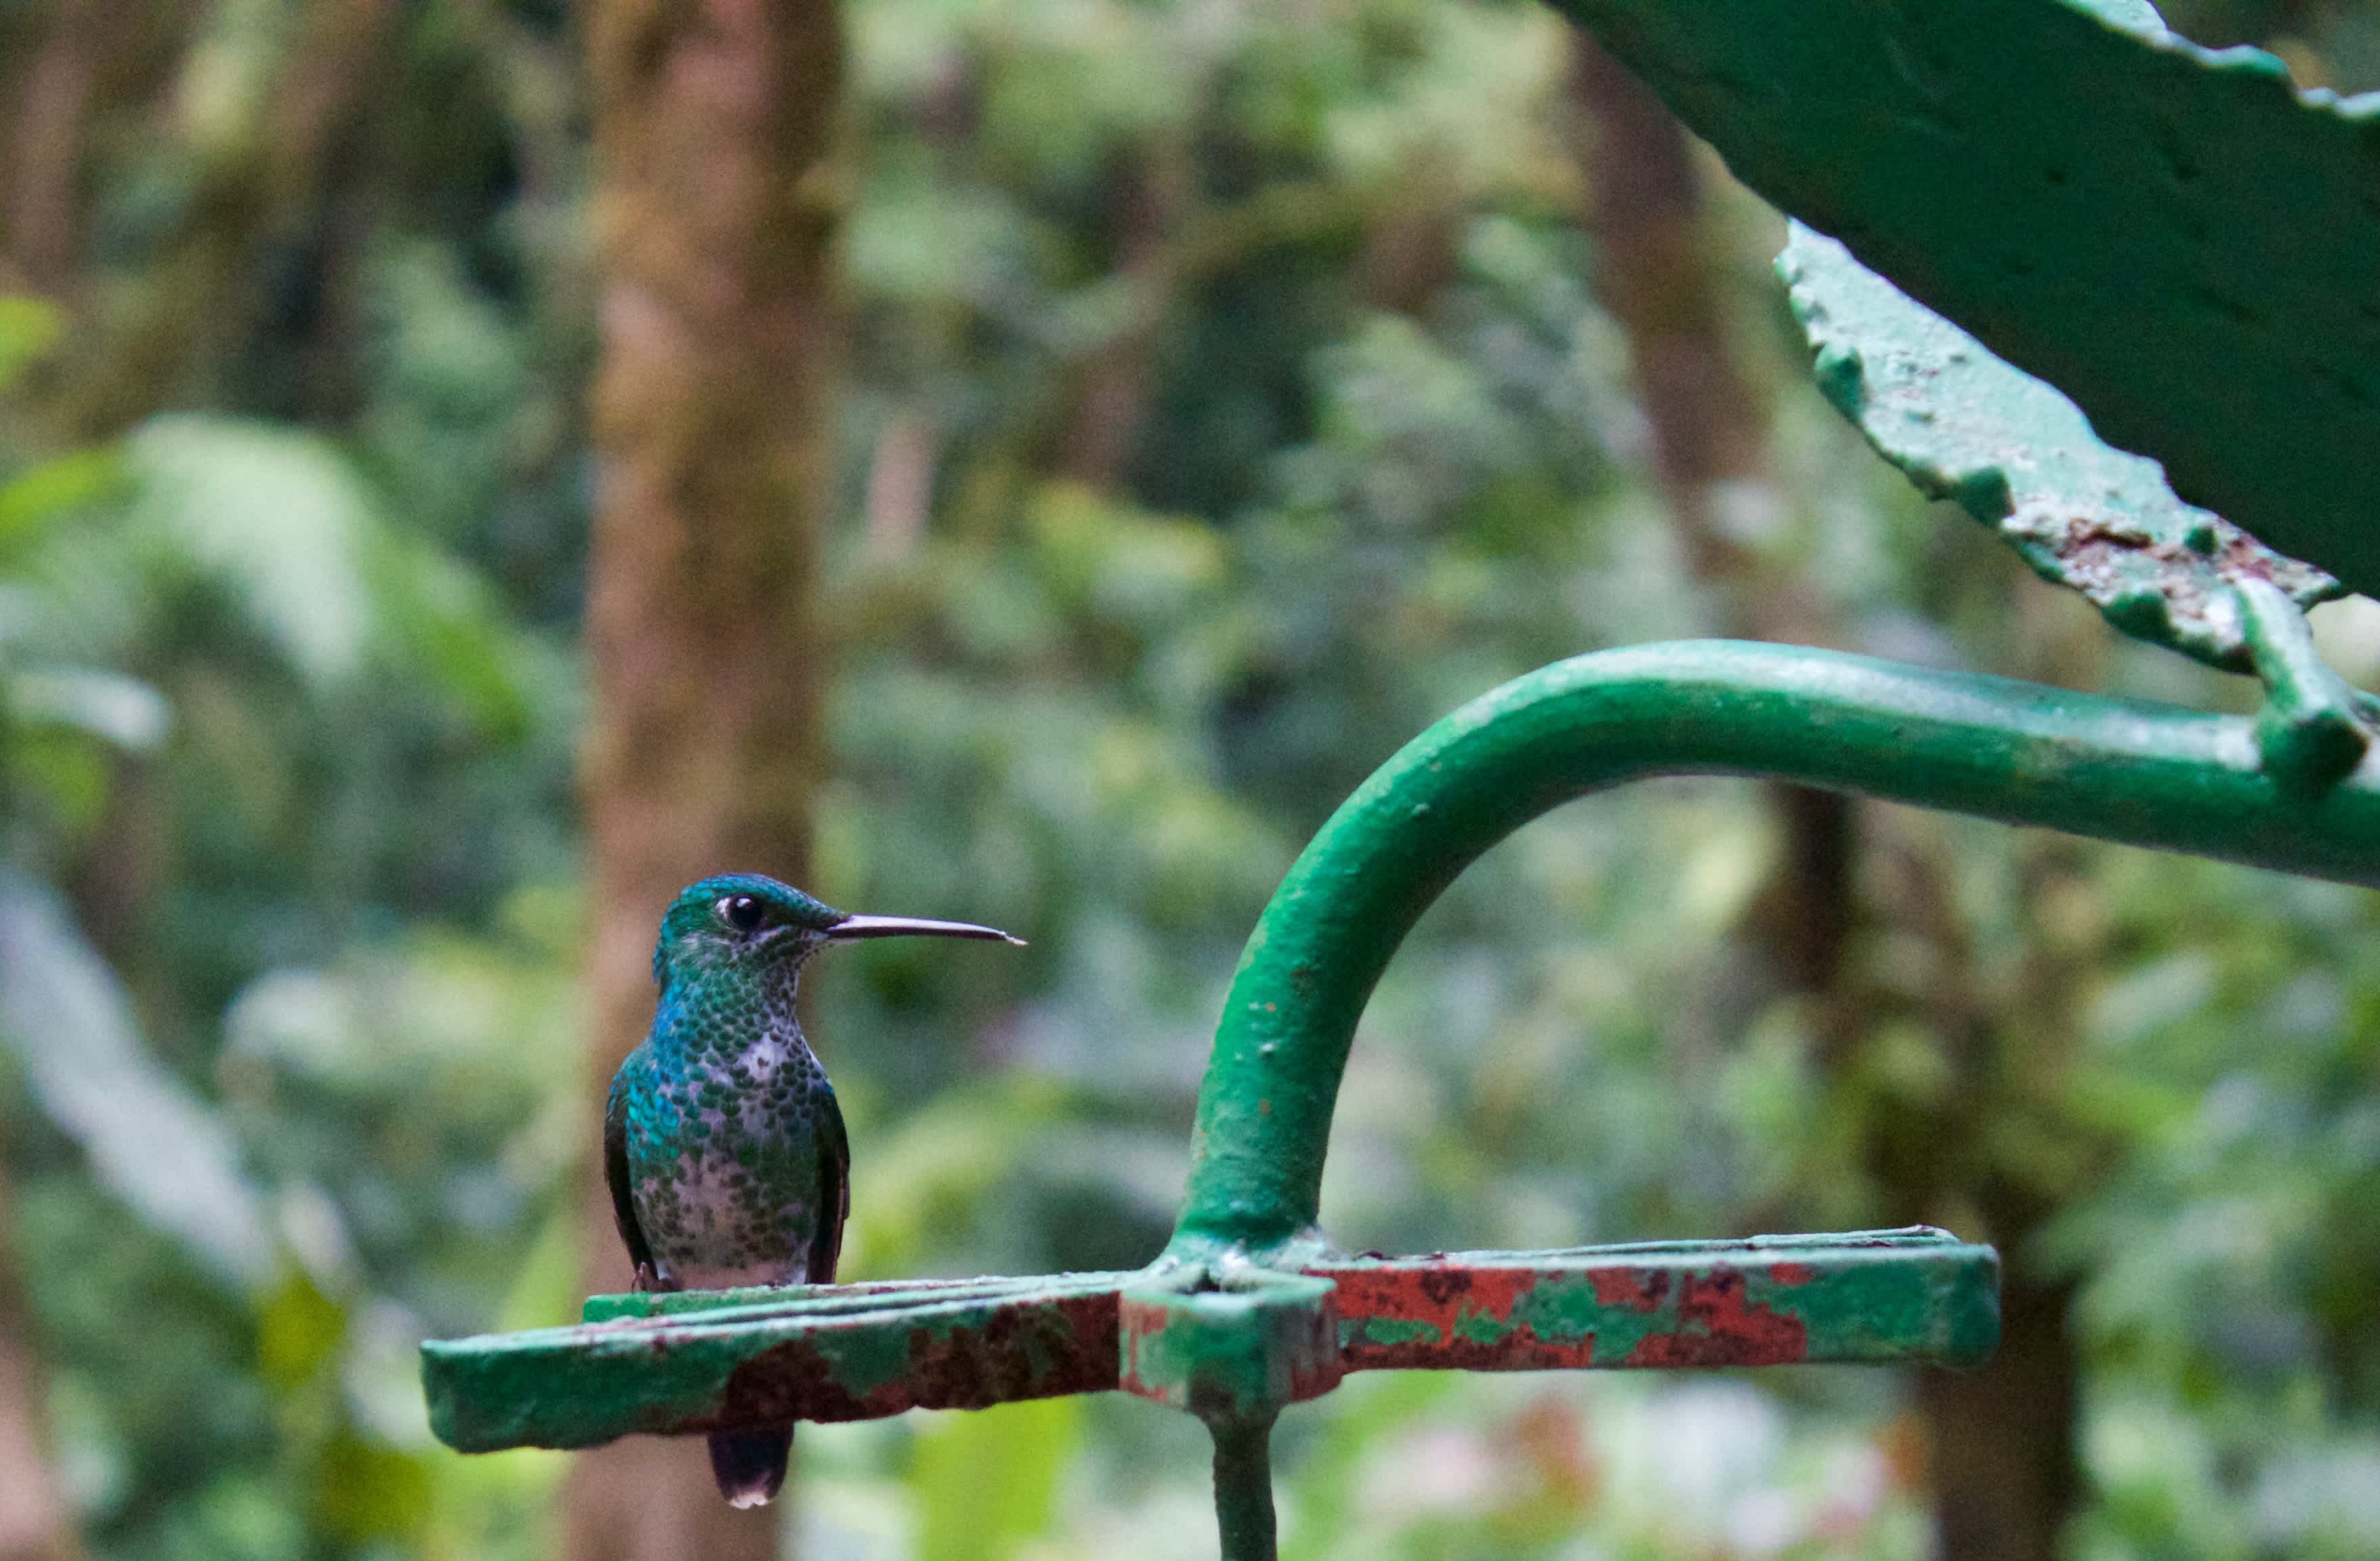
2021,458
2175,238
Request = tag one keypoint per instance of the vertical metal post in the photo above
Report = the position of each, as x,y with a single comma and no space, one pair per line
1243,1488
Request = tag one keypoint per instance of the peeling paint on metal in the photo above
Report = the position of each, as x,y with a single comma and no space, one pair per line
1228,1351
2021,458
2177,237
806,1359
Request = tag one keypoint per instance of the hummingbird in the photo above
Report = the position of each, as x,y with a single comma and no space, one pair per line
723,1145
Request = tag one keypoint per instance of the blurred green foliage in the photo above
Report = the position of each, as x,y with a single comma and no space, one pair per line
1226,401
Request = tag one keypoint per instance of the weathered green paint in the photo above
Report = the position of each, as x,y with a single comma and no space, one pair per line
2311,731
2174,237
1392,1331
1228,1350
1231,1344
2021,458
2144,773
1477,1327
1870,1297
1244,1514
826,1356
829,1300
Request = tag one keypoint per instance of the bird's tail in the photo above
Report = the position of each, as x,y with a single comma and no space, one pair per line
750,1465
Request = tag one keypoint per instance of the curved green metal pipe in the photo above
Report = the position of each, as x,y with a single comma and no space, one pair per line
2144,774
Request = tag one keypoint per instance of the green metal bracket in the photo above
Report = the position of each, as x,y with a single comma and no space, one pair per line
1249,1309
1234,1346
1238,1350
2314,730
1231,1343
1232,1351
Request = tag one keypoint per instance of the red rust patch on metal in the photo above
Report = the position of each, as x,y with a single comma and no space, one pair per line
1321,1372
1713,1323
1638,1289
1439,1295
1043,1348
1717,1325
1136,1320
1520,1350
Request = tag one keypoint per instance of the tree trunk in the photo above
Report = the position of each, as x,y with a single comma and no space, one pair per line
35,1524
1653,275
2000,1449
1098,445
715,213
47,148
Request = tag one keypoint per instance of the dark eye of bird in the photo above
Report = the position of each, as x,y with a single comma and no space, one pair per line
741,912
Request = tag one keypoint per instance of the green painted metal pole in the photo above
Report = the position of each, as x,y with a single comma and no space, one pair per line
2146,774
1244,1489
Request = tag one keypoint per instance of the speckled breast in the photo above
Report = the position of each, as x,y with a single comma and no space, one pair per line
723,1166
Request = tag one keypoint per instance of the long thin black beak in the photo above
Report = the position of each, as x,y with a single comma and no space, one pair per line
853,927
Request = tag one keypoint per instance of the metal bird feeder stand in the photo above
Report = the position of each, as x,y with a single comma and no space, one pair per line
1249,1308
1833,108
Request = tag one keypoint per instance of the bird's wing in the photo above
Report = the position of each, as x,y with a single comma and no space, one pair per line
835,1188
616,1176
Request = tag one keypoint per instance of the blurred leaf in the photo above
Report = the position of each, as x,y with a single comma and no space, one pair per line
298,1331
547,1288
440,619
47,492
284,520
925,1181
108,705
986,1482
29,328
277,514
150,1139
239,1514
370,1490
1328,1500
